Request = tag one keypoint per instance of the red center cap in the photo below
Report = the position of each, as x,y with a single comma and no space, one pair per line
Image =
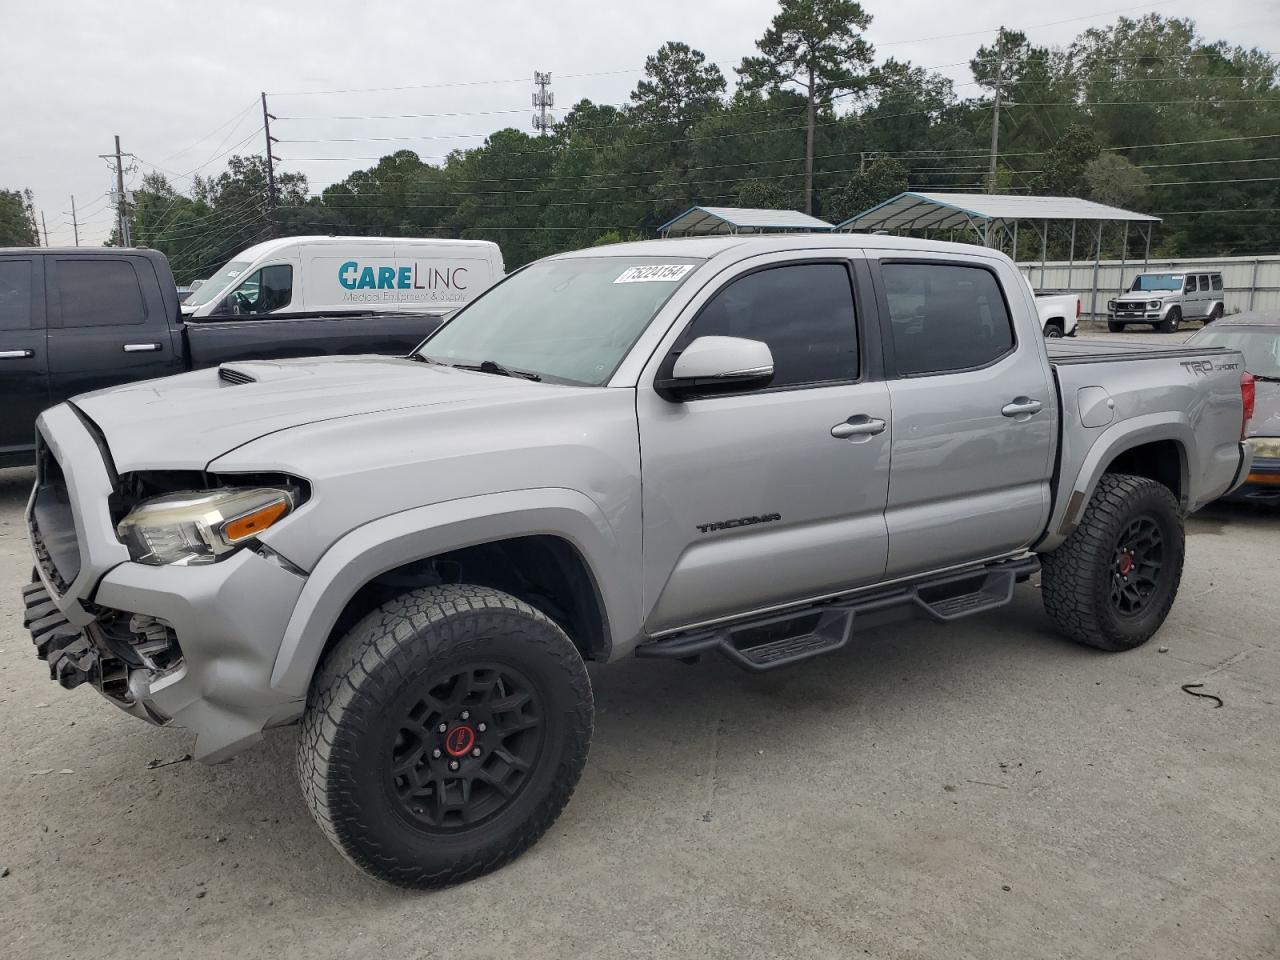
459,740
1126,565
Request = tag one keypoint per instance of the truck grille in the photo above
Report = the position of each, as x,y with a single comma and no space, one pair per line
52,527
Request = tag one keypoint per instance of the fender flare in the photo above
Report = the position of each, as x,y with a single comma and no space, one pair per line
389,542
1111,443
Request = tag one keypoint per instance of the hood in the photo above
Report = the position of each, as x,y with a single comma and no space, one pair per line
187,421
1266,410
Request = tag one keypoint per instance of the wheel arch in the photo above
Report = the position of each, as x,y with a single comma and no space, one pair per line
552,548
1160,447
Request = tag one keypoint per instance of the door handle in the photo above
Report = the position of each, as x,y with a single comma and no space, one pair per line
859,425
16,354
141,347
1020,407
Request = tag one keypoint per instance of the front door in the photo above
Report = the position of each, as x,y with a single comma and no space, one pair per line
974,415
24,382
768,496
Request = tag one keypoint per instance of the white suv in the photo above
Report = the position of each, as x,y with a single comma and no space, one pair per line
1164,300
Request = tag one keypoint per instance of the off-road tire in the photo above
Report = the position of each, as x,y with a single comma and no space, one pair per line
1054,329
349,728
1172,321
1115,327
1076,578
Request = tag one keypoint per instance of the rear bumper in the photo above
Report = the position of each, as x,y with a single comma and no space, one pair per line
189,646
1260,484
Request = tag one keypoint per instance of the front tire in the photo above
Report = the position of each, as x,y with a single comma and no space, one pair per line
1111,583
1171,322
1115,327
444,734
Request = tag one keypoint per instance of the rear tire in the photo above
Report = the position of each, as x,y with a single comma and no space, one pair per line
1111,583
1115,327
422,807
1171,323
1214,314
1053,329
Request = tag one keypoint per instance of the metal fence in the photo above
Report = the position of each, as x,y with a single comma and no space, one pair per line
1251,283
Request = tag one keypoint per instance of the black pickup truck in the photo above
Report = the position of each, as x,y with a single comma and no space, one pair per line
79,319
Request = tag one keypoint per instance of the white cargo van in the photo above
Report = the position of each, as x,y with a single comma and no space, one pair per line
340,274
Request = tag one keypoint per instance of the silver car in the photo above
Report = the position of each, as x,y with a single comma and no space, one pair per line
1257,336
1164,300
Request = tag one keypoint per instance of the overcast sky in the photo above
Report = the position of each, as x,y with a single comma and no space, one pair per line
179,81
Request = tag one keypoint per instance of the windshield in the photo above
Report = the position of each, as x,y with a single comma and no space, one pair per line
571,320
216,284
1158,281
1261,347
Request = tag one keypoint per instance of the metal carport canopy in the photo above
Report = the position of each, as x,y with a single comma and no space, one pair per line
706,221
942,211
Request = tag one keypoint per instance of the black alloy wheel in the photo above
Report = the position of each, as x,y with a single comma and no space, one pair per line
1137,562
464,748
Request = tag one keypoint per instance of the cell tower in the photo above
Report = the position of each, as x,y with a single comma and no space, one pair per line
543,100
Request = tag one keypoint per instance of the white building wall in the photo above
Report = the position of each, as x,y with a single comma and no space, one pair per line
1252,283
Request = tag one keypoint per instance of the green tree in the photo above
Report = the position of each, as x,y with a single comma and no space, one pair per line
883,177
1065,163
679,88
766,195
17,225
1113,180
817,47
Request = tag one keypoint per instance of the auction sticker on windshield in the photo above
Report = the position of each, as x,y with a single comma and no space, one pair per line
665,272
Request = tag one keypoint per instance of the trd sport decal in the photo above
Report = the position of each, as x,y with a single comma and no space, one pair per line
740,522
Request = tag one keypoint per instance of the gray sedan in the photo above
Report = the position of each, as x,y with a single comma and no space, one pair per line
1257,336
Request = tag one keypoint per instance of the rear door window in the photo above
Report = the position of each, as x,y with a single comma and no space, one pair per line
99,292
1217,281
945,317
15,294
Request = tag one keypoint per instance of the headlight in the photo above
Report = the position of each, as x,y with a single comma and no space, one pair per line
1265,446
1111,304
201,527
1153,304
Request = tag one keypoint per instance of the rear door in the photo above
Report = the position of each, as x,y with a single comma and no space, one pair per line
974,412
108,324
24,381
1204,299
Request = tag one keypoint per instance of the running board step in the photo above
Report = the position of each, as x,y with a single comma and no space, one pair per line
954,598
777,640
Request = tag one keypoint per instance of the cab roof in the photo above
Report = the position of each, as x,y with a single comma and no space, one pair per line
704,248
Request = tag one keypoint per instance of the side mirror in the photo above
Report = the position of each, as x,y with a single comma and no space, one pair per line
712,365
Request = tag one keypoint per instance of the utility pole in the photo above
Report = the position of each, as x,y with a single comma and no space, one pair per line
121,198
46,228
75,224
995,125
271,167
541,101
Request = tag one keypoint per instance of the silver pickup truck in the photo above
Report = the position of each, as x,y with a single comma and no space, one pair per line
748,446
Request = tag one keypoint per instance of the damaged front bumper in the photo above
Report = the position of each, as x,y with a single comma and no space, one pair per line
189,646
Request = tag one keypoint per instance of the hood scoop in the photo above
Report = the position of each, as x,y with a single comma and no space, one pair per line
234,376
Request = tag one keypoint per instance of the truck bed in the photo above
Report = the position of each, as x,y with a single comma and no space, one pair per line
1062,352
